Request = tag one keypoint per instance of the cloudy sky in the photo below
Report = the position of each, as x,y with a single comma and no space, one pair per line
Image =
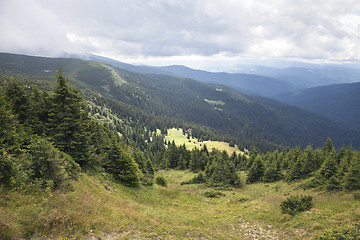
206,34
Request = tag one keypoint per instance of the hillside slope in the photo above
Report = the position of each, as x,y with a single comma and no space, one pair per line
338,101
248,83
247,119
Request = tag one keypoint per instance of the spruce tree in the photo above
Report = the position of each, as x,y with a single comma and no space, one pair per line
352,177
8,133
69,123
15,93
256,171
121,164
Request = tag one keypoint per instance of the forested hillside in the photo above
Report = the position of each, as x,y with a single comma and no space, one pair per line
57,142
338,101
212,111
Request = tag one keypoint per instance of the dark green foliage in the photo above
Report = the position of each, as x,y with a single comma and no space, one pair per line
343,233
8,133
295,204
256,171
220,171
329,167
352,177
160,180
214,194
69,123
7,169
246,121
50,164
28,116
122,165
145,166
15,94
356,195
272,173
328,147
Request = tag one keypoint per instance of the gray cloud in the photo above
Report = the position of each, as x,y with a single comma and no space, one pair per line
140,30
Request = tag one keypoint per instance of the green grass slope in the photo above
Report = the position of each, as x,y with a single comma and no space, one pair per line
101,208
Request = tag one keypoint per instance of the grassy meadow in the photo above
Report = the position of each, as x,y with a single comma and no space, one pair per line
180,139
101,208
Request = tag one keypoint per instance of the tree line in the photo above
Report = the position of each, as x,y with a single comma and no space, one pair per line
48,137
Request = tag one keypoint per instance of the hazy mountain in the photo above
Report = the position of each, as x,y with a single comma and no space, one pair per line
309,75
338,101
257,80
226,111
247,83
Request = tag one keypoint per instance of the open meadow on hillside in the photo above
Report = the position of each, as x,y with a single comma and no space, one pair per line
99,208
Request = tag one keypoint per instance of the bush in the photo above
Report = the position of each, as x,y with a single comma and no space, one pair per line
160,180
213,194
343,233
294,204
356,195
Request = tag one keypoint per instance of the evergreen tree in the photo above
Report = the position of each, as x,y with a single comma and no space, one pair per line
272,173
256,171
221,171
310,163
252,158
352,177
69,125
40,104
122,165
15,93
328,147
8,133
327,174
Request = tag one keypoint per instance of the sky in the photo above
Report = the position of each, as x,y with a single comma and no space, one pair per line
214,35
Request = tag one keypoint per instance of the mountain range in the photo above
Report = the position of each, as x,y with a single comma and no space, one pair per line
253,79
223,111
337,101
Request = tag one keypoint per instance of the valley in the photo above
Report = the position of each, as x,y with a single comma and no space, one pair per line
92,151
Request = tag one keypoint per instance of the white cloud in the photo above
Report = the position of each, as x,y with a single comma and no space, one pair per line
215,32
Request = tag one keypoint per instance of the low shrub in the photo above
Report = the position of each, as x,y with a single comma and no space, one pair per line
356,195
294,204
341,233
160,180
214,194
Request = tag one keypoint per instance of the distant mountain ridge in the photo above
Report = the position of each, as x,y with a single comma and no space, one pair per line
244,118
338,101
248,83
252,79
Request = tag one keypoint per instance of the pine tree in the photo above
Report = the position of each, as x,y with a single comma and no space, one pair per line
122,165
221,171
256,171
328,172
8,133
69,123
328,147
19,99
352,177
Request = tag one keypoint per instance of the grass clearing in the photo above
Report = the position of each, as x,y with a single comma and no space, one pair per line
176,211
190,143
215,103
